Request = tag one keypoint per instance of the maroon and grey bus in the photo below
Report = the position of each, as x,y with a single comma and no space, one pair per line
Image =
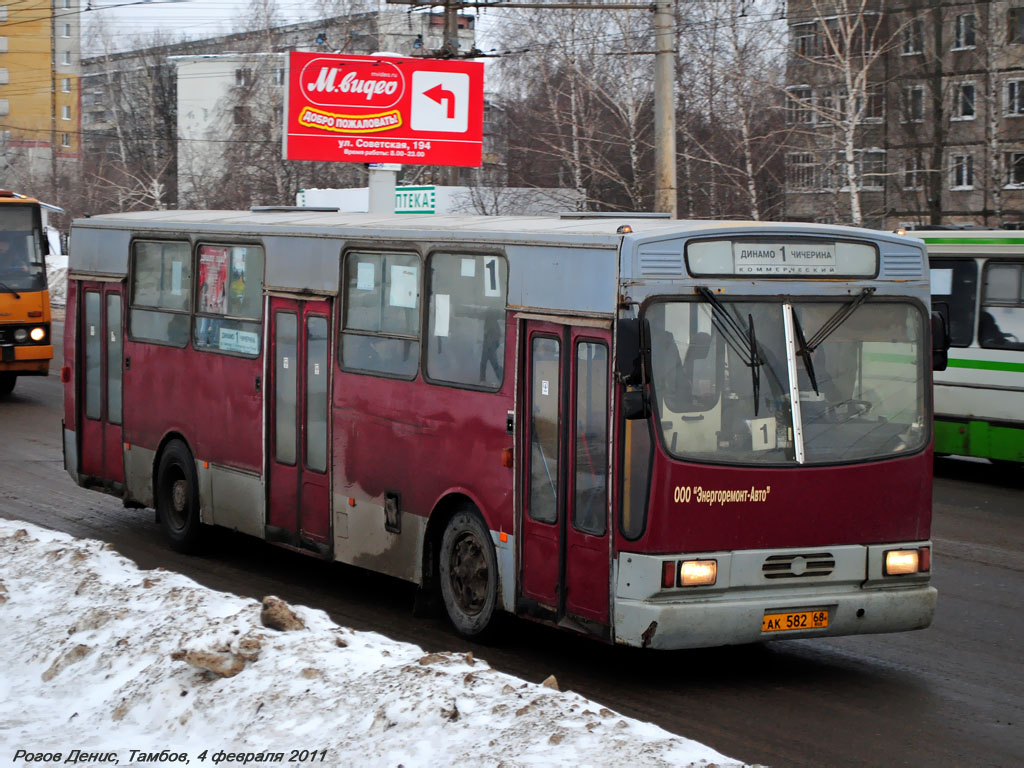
659,433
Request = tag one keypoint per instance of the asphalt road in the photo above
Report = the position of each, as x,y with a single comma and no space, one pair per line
951,695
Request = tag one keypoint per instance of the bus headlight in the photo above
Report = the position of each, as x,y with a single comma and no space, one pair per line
698,573
21,335
900,562
38,334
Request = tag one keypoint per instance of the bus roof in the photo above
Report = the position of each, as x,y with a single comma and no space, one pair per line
303,246
596,229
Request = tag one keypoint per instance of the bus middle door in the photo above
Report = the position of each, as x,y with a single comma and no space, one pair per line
100,382
298,417
565,559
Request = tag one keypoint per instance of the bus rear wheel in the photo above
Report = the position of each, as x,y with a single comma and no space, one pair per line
469,575
177,497
7,382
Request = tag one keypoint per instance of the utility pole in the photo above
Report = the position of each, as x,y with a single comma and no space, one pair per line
664,109
664,74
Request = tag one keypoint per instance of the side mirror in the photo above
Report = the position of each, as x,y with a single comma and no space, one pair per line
635,404
628,351
940,342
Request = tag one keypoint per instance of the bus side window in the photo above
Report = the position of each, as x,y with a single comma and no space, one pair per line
161,292
229,303
466,332
954,293
1001,325
381,322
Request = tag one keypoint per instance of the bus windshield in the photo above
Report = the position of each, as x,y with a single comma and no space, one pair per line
860,391
22,267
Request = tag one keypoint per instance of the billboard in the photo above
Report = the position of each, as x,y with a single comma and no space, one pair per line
371,109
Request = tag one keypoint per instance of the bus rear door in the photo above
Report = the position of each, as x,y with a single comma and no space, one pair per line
564,562
100,386
298,494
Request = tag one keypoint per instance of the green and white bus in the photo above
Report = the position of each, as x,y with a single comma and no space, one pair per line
977,283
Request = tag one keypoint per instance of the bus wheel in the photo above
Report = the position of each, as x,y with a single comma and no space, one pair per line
7,381
469,575
177,497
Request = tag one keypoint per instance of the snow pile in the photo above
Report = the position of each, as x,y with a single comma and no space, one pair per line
100,656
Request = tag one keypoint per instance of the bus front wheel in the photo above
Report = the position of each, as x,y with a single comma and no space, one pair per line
7,382
177,497
469,575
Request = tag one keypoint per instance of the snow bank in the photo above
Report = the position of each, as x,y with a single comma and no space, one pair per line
102,657
57,279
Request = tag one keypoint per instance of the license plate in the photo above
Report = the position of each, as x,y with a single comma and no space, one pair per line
786,622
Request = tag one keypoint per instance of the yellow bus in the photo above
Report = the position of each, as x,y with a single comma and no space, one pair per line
25,344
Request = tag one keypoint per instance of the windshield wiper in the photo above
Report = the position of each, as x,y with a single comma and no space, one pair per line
6,287
827,329
743,342
832,324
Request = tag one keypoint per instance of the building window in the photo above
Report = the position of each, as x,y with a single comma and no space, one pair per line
805,39
913,174
1015,98
913,104
5,107
65,85
66,30
874,109
240,115
913,37
3,13
801,171
963,101
963,172
279,76
798,105
5,76
66,58
67,3
1015,25
278,115
65,112
65,139
963,31
3,43
871,164
1014,169
243,76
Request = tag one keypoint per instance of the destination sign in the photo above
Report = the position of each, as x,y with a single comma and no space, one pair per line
784,259
796,257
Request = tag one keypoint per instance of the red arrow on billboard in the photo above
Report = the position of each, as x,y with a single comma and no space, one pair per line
441,95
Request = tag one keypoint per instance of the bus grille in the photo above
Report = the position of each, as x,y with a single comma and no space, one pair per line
798,566
901,266
667,263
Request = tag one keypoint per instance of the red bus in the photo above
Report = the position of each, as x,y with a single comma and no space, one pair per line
658,433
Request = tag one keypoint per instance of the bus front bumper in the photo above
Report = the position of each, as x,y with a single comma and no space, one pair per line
737,620
26,359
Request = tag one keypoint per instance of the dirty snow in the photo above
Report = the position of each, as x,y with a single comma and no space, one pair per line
99,656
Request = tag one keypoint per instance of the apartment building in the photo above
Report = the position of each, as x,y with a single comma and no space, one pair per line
39,85
906,114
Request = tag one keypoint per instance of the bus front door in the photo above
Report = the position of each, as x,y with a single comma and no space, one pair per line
298,417
100,369
565,556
